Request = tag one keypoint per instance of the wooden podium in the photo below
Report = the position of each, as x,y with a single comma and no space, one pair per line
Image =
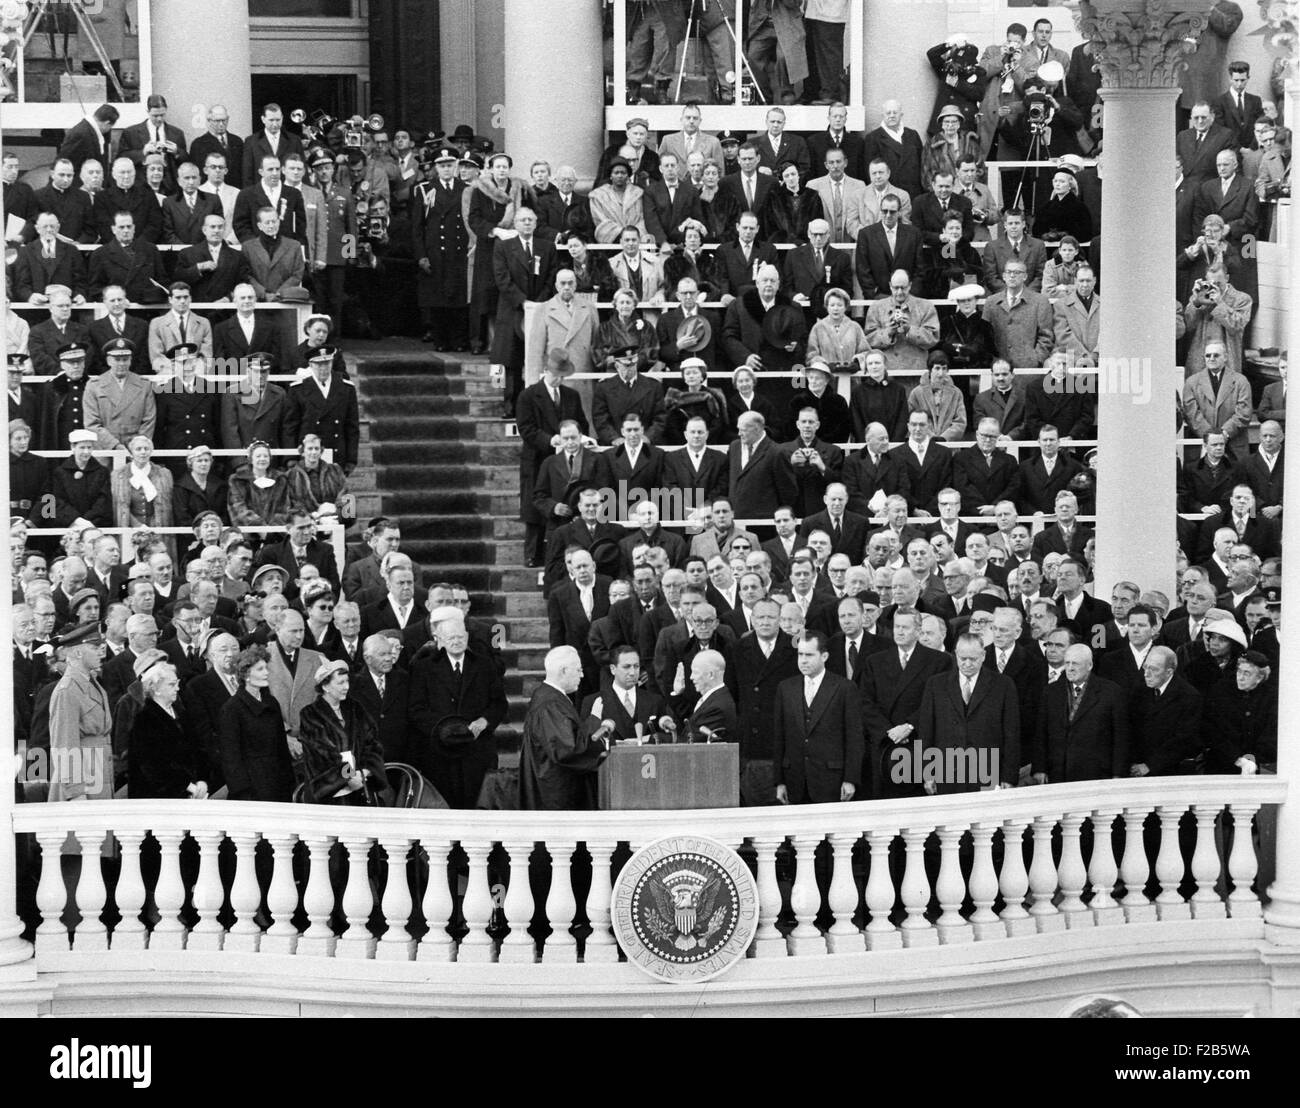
681,775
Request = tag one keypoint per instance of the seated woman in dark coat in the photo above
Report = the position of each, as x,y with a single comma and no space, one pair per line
199,490
789,208
689,260
259,493
342,759
877,399
1240,724
950,264
694,399
28,475
1063,213
721,209
625,328
254,751
163,762
314,481
591,270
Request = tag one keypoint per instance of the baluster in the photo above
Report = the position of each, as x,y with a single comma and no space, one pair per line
805,898
880,894
984,923
281,898
561,907
1042,877
1102,871
396,945
1205,866
169,894
437,906
1070,875
844,937
600,945
917,930
130,932
358,902
1242,864
317,900
245,895
950,888
518,945
52,895
1013,882
1134,868
768,940
1169,867
476,907
207,895
91,934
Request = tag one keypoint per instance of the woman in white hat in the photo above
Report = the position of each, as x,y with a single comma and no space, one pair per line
343,762
835,338
1214,660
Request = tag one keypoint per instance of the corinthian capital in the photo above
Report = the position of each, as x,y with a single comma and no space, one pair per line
1142,43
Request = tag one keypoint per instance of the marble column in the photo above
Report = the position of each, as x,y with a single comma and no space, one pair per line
896,35
201,56
555,89
1142,44
459,81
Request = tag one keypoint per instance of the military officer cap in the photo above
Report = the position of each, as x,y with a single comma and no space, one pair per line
72,352
85,634
119,347
183,350
626,350
320,156
471,159
324,354
432,137
260,359
446,154
80,435
726,137
17,359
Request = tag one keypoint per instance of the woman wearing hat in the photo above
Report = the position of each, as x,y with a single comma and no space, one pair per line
83,608
1063,213
953,144
29,476
720,208
689,260
255,758
951,262
259,493
694,399
1240,721
877,399
199,490
343,761
836,339
789,208
625,328
314,482
819,393
746,398
142,491
164,763
317,330
493,201
320,634
1215,662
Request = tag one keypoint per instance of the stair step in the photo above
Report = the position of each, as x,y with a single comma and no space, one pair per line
524,604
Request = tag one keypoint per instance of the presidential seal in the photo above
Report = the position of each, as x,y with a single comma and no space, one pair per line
685,908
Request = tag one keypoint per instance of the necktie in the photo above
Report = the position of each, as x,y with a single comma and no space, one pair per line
749,193
744,455
222,139
1199,136
1240,105
455,668
379,684
555,395
189,199
672,195
766,647
1002,661
528,250
628,705
588,605
573,466
835,530
1076,694
837,208
904,659
967,687
853,659
49,251
182,327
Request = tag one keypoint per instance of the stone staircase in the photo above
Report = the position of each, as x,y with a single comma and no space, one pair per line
435,454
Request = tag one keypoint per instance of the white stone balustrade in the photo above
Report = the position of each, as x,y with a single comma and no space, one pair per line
958,871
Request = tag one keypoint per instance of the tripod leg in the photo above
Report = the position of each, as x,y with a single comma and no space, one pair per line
686,41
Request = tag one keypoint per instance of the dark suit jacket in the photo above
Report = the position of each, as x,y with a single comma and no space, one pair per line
1027,670
137,272
819,747
34,273
921,484
802,274
202,702
242,424
734,186
874,261
996,252
762,486
1239,122
228,338
980,481
333,418
862,479
1239,209
734,272
569,623
819,142
293,216
645,475
102,332
755,680
1035,490
83,141
791,148
575,533
1051,539
182,225
553,485
1092,611
1267,486
1093,747
709,483
208,143
673,545
319,554
891,696
139,201
393,716
1166,729
852,538
1198,158
539,421
988,727
903,158
662,218
612,399
648,703
76,211
928,217
666,329
136,137
256,147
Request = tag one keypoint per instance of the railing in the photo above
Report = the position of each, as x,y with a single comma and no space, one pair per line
455,886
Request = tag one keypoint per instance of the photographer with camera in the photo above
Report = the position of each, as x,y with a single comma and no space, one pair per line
1216,312
1001,103
961,81
902,325
156,136
385,273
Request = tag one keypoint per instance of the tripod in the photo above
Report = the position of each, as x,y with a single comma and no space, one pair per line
744,61
1040,149
40,8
